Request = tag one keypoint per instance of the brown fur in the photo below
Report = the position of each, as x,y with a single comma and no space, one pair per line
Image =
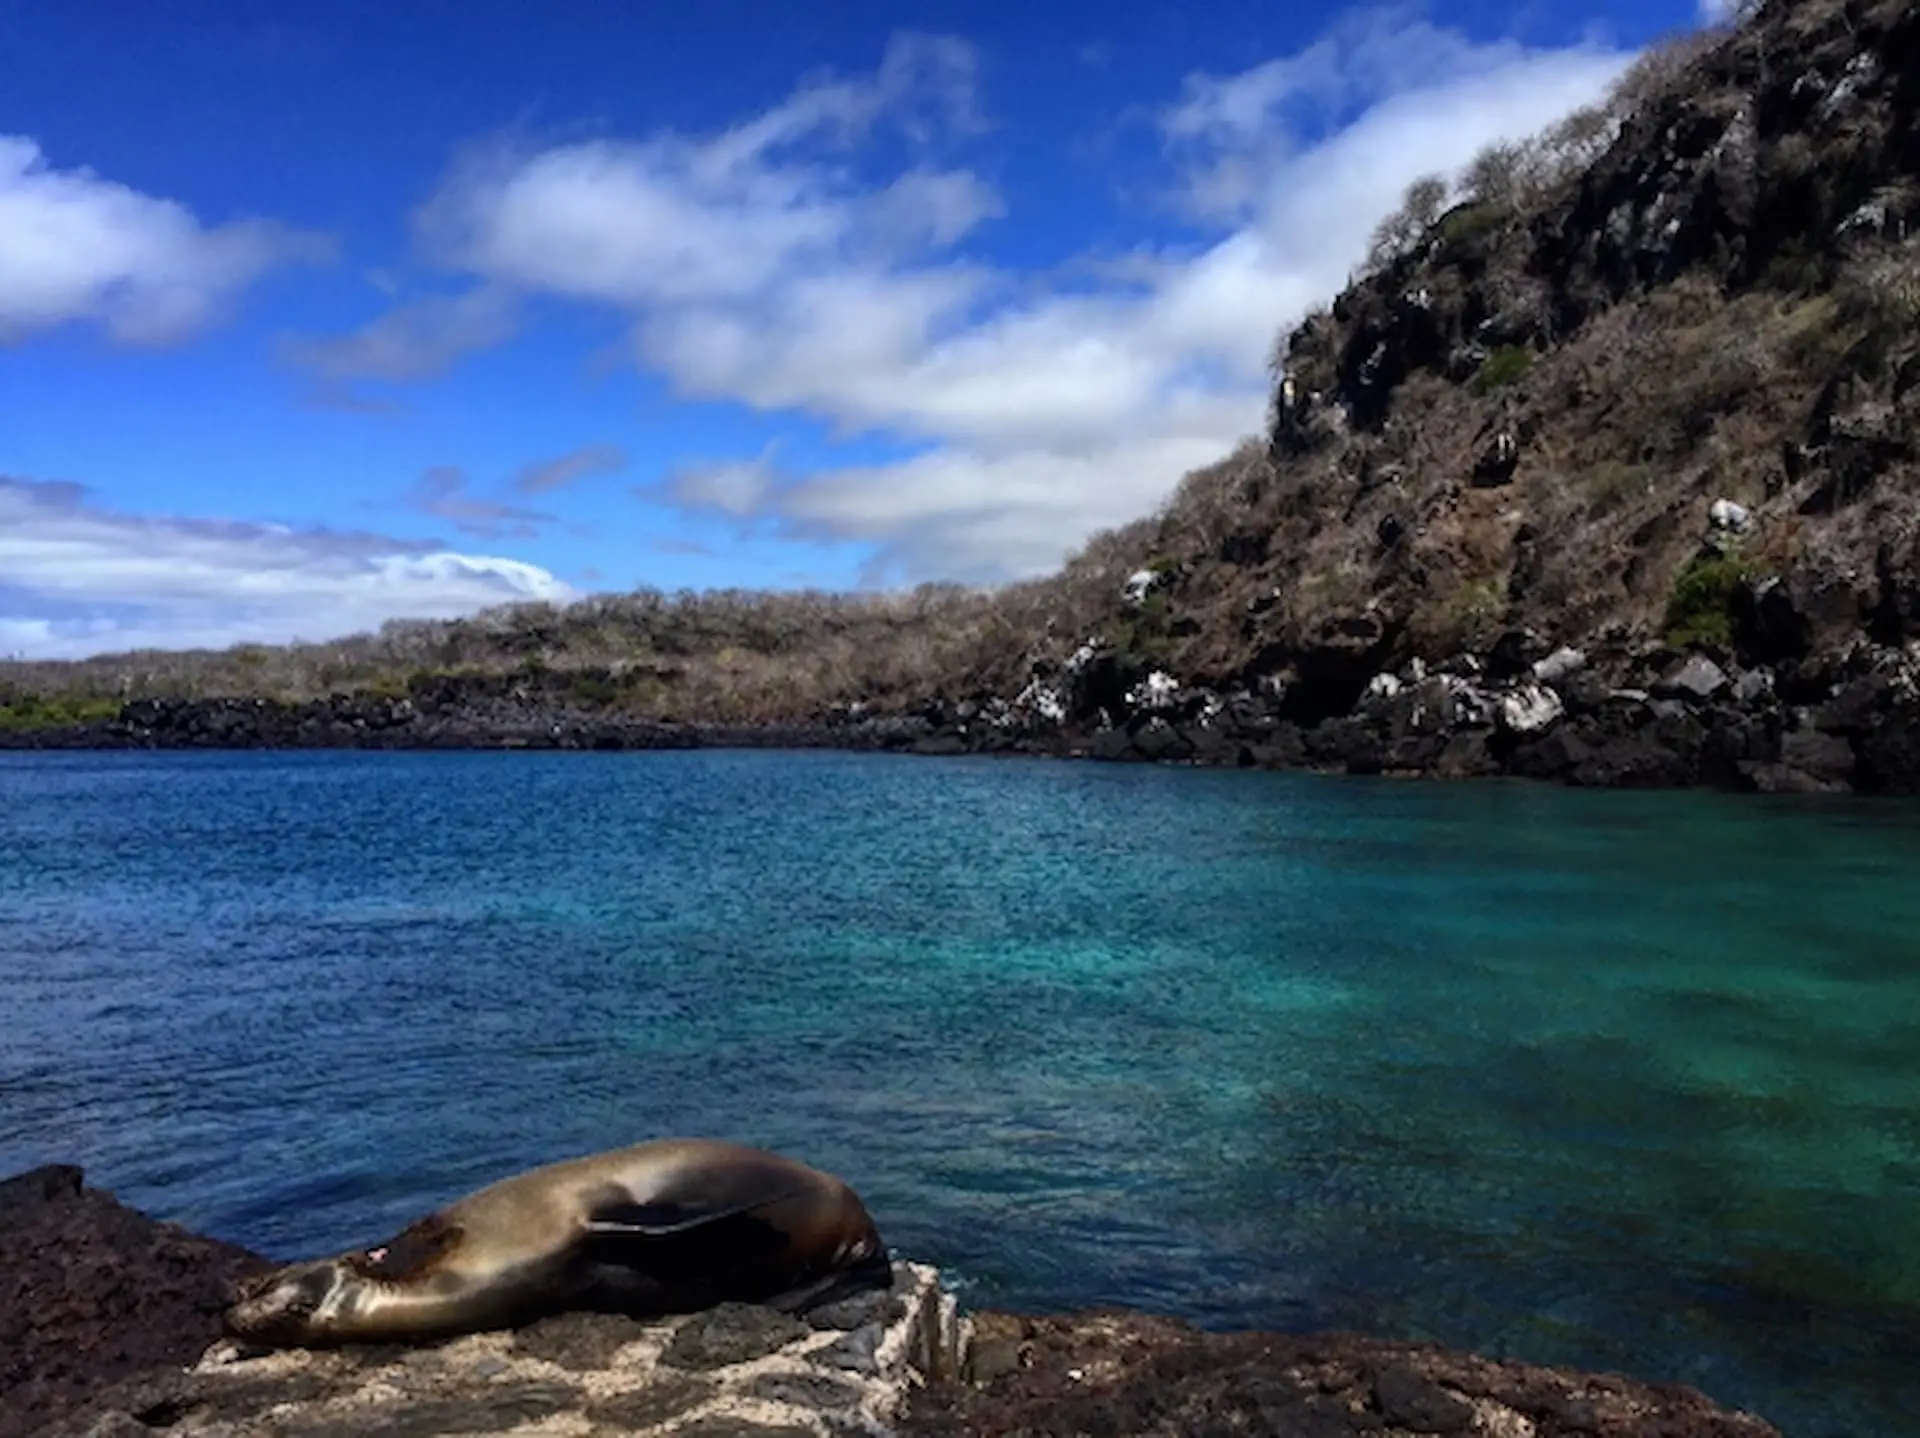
662,1226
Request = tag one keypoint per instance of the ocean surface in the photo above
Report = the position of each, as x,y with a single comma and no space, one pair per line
1620,1080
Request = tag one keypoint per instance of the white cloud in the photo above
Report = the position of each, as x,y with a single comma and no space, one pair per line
674,219
765,265
756,270
75,247
79,578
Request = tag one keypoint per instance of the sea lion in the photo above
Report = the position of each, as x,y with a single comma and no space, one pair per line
667,1226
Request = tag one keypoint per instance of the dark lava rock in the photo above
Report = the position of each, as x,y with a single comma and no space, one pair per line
729,1427
1890,757
582,1342
668,1396
1515,653
806,1390
878,1305
941,745
857,1352
92,1292
731,1333
1410,1399
1468,755
1553,757
1213,748
1828,759
493,1408
1113,1372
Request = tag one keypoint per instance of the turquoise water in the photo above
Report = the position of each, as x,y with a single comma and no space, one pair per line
1620,1080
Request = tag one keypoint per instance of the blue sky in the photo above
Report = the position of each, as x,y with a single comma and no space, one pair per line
313,316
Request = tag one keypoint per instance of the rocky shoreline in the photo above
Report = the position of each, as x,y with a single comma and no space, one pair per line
1609,716
109,1328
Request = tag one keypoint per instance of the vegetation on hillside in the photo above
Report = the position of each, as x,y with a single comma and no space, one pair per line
1518,413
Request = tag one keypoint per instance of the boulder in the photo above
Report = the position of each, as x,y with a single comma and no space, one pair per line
1515,653
1729,517
1754,689
1554,757
1467,755
1772,627
96,1293
1634,761
1157,741
1890,756
1529,709
1695,681
1560,665
1826,759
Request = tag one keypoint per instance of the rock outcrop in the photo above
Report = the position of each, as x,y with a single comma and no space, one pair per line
1625,716
1117,1372
109,1323
737,1370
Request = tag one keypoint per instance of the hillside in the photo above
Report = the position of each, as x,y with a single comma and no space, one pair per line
1604,468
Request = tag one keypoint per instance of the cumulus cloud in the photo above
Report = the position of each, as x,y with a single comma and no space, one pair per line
442,492
82,578
547,475
413,342
76,247
729,216
756,271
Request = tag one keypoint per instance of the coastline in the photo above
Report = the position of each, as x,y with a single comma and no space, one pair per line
1647,719
114,1330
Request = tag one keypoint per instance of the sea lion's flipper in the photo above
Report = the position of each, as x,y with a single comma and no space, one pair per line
700,1256
622,1217
871,1274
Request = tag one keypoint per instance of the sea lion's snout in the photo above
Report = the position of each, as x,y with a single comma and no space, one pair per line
280,1307
863,1256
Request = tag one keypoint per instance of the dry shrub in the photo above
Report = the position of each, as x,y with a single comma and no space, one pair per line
1420,206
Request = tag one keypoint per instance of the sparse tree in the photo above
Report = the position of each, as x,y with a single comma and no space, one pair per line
1501,174
1420,206
1656,73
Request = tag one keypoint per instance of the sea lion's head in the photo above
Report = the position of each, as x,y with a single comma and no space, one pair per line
295,1305
361,1296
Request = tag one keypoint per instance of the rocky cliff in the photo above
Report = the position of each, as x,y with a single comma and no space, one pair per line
1604,470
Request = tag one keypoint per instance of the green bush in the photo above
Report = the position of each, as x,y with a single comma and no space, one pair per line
1701,608
1502,368
1146,639
25,713
1464,224
596,690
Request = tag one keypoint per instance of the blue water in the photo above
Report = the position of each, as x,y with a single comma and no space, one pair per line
1619,1080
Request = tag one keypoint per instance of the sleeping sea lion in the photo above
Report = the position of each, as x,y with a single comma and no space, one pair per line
661,1227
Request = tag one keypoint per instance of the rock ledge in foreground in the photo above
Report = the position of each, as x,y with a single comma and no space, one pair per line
738,1369
1111,1371
108,1324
